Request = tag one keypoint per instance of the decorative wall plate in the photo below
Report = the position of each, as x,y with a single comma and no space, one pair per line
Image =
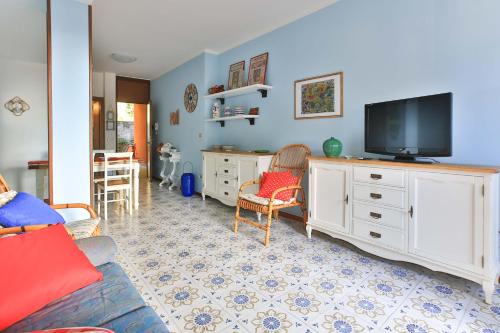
190,97
17,106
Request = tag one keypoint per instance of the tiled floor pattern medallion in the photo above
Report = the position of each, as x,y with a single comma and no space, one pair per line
183,257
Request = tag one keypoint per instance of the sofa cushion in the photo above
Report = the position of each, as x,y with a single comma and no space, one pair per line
26,209
93,305
100,250
143,320
76,330
82,228
41,266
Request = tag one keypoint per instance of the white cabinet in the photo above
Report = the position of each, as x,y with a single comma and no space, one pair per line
446,218
443,217
328,209
223,174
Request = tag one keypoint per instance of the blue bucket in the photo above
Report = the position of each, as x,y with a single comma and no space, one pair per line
187,181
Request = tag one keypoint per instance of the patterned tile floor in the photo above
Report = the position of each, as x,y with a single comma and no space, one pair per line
183,257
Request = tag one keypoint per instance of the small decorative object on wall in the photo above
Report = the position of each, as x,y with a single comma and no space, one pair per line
216,110
332,147
110,115
110,125
174,118
257,69
320,96
17,106
253,111
190,97
236,75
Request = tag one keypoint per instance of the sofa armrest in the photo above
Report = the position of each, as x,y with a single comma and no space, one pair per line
99,250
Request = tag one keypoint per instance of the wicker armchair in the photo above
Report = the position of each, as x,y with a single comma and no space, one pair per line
4,187
290,158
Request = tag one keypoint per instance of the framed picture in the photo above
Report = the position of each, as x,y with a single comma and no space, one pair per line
110,125
110,115
236,75
257,69
320,96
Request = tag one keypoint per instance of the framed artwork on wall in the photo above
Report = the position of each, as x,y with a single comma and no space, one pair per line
319,96
110,125
236,75
110,115
257,69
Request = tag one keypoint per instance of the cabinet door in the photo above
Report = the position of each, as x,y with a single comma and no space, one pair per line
209,174
446,218
328,196
247,170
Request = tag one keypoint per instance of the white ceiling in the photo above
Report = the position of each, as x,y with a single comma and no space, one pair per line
166,33
22,30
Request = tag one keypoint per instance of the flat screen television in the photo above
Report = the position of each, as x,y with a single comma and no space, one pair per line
409,128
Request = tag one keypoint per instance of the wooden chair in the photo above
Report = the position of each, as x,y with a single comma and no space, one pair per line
4,187
290,158
120,164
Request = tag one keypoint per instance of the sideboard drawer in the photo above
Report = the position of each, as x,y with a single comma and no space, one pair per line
226,171
378,215
379,235
380,195
226,160
227,192
381,176
226,181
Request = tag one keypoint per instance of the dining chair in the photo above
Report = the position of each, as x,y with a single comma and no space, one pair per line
117,179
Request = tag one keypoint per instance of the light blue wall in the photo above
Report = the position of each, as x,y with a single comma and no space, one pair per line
387,49
167,95
70,101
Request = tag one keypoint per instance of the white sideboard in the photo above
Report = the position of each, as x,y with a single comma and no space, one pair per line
224,172
443,217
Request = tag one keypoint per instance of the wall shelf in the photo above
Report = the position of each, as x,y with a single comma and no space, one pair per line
254,88
222,120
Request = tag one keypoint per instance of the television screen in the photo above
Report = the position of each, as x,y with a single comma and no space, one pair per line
410,127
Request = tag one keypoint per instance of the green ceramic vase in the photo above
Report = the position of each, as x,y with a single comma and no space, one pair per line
332,147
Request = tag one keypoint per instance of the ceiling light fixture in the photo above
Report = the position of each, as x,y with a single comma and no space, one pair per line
123,58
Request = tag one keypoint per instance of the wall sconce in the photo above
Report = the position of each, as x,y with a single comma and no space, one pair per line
17,106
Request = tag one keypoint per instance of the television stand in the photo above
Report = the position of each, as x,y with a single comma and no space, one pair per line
405,159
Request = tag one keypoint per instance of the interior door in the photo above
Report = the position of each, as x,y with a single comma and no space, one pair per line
98,138
329,196
446,218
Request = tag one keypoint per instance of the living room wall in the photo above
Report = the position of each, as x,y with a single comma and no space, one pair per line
387,49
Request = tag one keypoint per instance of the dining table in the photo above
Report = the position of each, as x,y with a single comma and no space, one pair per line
136,169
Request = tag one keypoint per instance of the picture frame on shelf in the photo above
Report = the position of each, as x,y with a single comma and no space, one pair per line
236,77
257,69
319,97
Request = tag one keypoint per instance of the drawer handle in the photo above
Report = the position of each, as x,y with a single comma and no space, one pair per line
226,182
226,171
375,195
226,160
375,215
225,193
375,176
375,234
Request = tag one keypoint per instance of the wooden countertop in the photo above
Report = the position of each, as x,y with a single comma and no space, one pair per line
236,152
433,166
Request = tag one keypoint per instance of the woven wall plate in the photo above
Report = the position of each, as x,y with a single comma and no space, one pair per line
190,98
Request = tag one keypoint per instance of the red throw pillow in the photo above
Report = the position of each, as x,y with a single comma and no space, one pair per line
76,330
37,268
272,181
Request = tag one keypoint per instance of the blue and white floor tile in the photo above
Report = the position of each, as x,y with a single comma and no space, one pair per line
199,277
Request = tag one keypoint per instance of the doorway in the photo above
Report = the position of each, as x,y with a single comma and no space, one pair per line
132,133
98,136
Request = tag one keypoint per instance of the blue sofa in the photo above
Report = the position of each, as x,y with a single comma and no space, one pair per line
112,303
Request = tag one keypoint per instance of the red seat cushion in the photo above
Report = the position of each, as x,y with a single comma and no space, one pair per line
37,268
272,181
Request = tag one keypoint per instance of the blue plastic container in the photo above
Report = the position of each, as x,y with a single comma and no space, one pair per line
187,181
